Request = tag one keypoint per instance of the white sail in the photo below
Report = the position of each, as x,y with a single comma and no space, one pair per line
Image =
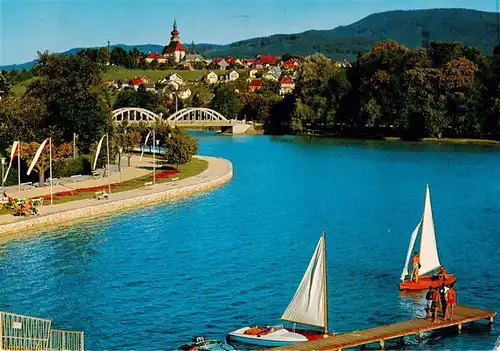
145,143
410,249
429,259
37,155
98,151
308,303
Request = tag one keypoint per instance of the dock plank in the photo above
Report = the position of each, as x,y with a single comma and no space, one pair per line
463,314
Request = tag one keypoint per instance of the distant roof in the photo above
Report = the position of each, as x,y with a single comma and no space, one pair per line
268,60
255,83
154,55
286,80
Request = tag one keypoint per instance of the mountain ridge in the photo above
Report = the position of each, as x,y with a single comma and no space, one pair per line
471,27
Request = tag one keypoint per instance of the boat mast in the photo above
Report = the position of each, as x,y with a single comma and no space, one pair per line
325,289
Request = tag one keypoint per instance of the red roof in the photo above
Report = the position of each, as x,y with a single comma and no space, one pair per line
154,55
249,61
290,64
255,83
174,46
286,80
139,81
268,60
230,59
216,60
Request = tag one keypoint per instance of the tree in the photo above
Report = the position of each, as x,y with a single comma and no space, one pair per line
4,84
225,101
180,148
60,154
72,92
128,141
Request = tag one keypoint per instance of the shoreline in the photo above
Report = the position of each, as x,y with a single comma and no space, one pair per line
218,173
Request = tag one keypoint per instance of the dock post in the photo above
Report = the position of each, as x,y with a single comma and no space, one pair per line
382,344
490,320
420,335
459,327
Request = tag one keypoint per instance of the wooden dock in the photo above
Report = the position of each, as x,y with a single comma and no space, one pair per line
463,314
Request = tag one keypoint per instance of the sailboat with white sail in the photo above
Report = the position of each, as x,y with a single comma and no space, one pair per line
429,258
309,306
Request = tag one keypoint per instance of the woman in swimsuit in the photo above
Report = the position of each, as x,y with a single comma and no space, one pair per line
451,297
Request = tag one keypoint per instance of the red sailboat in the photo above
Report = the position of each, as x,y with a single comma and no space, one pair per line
429,259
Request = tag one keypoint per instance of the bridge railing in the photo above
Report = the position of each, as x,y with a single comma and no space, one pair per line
215,123
19,332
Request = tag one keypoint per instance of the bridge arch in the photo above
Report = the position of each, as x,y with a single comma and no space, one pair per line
134,114
196,114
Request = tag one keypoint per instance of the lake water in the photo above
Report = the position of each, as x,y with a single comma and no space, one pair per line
156,277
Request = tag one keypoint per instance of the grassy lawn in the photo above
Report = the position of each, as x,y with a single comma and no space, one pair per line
453,140
20,88
190,169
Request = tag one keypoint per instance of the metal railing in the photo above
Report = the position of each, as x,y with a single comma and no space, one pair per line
18,332
66,340
26,333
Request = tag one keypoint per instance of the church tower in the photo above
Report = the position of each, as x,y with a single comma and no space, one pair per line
175,50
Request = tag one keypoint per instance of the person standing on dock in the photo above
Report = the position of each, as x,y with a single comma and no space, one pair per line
451,297
428,307
436,304
415,260
443,290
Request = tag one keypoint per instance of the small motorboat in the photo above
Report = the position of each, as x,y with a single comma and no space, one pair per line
308,306
200,344
429,258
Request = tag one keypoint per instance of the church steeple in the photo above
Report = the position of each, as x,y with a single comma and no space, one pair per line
175,33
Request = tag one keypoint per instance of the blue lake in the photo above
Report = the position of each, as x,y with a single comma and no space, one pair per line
155,277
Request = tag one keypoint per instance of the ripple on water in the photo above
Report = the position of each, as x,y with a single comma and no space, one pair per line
234,256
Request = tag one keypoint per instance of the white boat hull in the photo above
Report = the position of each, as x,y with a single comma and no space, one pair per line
279,337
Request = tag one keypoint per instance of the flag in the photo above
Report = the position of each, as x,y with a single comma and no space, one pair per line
13,152
145,143
37,155
98,151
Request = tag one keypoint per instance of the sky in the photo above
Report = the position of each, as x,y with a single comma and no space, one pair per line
59,25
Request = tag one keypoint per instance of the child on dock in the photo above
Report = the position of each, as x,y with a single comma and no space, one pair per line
428,297
436,304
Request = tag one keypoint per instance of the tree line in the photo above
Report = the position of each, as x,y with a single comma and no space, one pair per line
67,99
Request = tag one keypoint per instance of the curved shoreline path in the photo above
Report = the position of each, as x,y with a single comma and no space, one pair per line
219,171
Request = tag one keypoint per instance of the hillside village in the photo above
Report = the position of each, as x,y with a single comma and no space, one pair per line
251,72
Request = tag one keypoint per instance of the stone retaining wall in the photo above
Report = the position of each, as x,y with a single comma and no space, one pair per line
117,205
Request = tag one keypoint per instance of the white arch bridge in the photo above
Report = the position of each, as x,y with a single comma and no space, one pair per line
191,117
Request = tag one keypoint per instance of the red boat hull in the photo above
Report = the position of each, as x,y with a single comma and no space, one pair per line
425,281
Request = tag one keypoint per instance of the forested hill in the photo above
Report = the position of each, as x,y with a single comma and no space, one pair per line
470,27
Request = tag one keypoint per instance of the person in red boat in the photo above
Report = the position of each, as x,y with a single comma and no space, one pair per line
436,304
415,260
451,297
441,275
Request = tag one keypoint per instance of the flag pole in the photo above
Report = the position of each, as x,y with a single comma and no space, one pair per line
109,169
154,158
19,165
50,172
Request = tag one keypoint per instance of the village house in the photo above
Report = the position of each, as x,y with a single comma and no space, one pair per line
184,94
137,81
273,74
210,78
194,58
267,60
155,56
150,87
254,85
221,63
291,64
286,85
253,73
233,61
174,80
233,75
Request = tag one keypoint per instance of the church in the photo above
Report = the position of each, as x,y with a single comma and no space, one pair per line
174,51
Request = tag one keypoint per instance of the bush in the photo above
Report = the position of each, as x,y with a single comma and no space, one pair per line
80,165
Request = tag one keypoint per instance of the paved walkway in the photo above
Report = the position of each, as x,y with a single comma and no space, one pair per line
137,169
218,172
